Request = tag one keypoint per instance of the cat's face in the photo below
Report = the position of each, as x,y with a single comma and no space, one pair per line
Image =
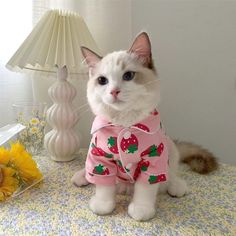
122,81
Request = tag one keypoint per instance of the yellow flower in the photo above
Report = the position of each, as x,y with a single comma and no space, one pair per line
17,148
43,123
8,184
34,130
34,121
24,164
4,156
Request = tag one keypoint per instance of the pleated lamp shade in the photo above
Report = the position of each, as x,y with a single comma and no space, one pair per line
55,41
54,46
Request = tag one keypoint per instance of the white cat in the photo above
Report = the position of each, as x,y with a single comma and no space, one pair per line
123,89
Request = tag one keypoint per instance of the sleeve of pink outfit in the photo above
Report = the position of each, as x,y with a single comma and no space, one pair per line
100,168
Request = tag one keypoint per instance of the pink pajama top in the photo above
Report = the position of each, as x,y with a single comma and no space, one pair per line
128,154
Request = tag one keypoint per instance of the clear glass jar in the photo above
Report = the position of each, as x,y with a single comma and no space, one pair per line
33,116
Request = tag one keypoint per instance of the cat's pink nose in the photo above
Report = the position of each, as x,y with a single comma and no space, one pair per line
115,92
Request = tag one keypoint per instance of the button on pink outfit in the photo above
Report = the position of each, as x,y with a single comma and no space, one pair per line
128,154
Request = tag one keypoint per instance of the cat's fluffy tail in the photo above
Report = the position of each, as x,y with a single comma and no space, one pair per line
199,159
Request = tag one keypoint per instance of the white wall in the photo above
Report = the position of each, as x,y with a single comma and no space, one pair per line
194,46
195,54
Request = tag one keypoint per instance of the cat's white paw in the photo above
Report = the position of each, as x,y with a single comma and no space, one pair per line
123,188
79,179
177,188
141,212
101,207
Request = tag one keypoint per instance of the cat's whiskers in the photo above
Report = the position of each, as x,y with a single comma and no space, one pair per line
84,63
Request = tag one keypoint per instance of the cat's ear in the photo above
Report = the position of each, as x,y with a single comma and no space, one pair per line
142,48
91,57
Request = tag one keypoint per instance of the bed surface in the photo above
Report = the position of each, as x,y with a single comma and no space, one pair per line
56,207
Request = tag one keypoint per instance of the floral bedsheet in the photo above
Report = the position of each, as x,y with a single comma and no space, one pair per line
56,207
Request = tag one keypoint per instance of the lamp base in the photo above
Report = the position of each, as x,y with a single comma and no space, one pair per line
62,145
62,159
62,141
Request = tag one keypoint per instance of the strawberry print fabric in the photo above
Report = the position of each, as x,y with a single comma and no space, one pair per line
128,154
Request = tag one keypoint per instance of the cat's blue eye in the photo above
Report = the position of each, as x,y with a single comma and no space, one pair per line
102,80
129,75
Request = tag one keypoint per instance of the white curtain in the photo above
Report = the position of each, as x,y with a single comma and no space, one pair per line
15,25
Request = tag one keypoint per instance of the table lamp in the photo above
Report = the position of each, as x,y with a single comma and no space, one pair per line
54,46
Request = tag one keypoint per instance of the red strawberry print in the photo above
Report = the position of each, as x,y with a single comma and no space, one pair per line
143,127
155,112
106,172
112,145
136,173
151,151
122,178
160,148
121,168
99,152
101,170
129,144
157,178
144,165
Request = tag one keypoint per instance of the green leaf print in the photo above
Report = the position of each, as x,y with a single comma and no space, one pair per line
152,179
132,148
99,168
111,142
